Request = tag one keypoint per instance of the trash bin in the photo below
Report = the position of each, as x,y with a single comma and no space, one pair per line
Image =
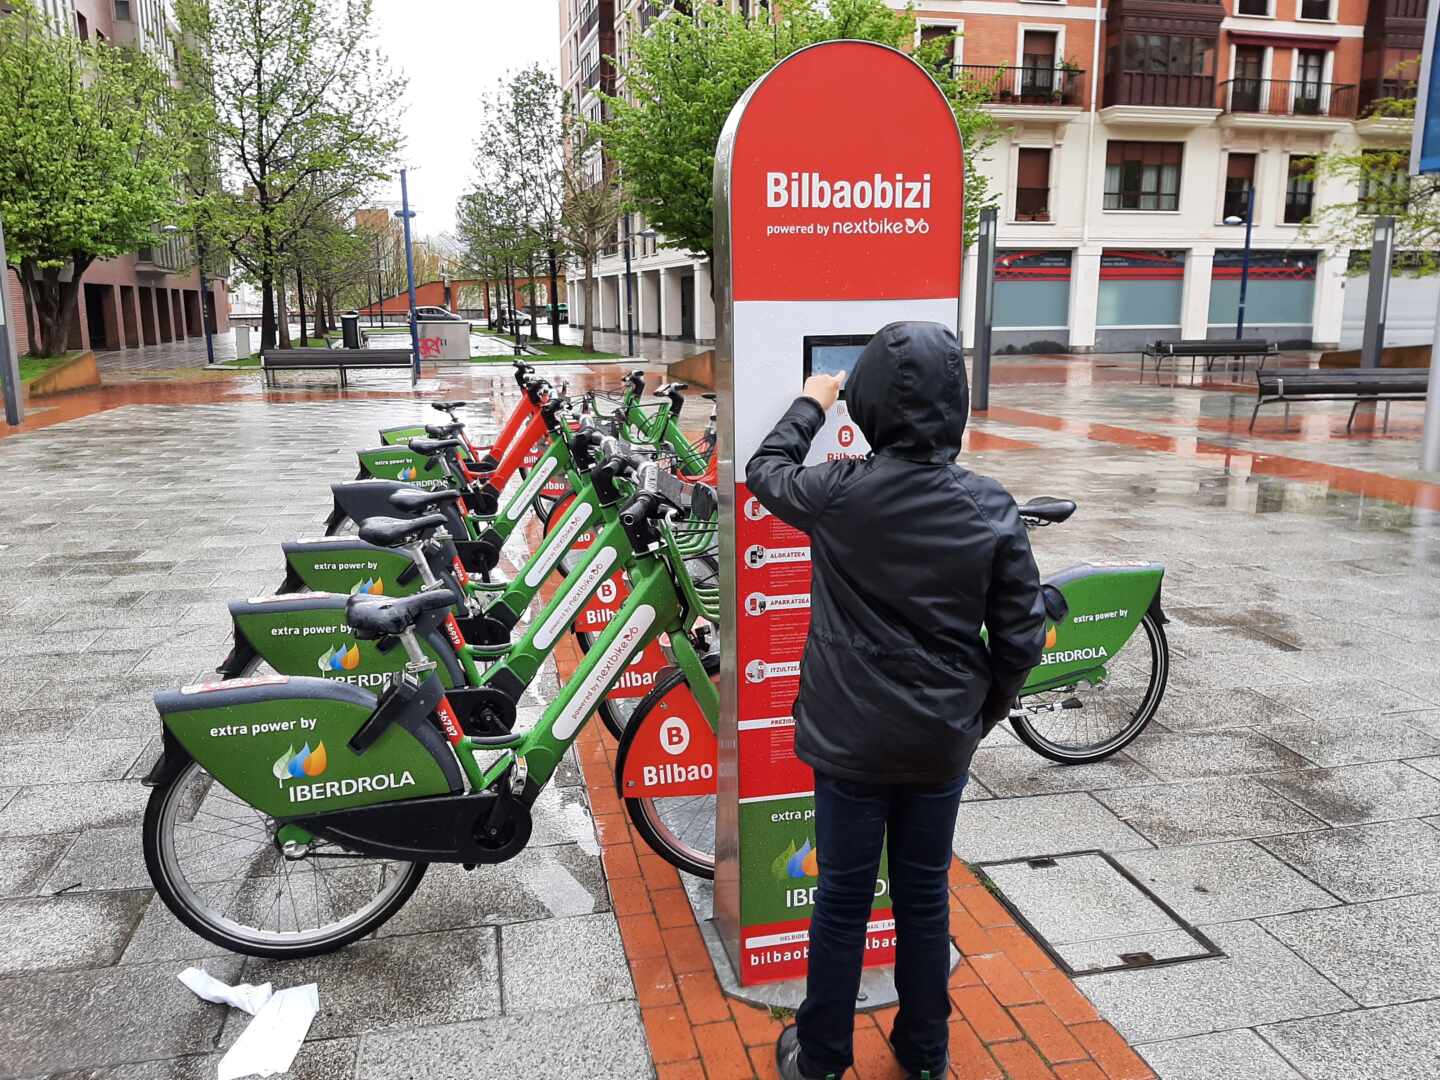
350,330
242,340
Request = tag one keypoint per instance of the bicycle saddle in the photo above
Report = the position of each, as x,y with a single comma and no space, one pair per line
1047,509
709,395
371,618
413,500
448,406
443,431
392,532
431,447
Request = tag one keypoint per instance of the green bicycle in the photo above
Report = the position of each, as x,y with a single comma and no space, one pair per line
290,816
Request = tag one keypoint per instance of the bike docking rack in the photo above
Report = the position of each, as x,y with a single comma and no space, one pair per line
831,221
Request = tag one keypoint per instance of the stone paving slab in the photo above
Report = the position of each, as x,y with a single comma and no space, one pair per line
68,1020
1380,953
1224,882
26,861
563,963
1338,741
1198,755
1225,1055
993,829
577,1044
1365,862
57,933
1396,1043
1354,794
1207,810
1259,981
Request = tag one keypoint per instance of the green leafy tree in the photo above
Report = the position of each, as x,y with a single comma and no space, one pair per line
86,164
298,109
686,72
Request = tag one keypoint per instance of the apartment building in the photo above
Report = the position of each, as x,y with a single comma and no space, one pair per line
1130,132
151,297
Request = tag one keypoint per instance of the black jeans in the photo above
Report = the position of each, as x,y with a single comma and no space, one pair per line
852,821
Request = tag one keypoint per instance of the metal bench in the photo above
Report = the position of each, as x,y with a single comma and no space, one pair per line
341,360
1367,385
1209,351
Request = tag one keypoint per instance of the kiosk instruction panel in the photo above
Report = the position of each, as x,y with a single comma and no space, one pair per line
838,209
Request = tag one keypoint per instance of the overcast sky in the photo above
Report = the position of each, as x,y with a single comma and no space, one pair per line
452,51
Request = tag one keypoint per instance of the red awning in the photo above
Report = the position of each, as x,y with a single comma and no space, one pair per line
1284,41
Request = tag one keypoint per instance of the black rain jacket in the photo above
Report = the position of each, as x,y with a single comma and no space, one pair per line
911,553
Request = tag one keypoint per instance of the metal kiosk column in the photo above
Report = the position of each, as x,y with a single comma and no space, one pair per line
838,209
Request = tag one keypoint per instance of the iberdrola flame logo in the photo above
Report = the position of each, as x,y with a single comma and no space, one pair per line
293,766
369,587
408,473
1050,637
340,658
793,862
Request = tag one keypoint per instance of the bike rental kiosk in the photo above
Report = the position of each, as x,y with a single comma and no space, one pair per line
838,209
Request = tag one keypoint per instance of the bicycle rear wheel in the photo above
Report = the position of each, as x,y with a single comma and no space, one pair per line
1083,723
680,829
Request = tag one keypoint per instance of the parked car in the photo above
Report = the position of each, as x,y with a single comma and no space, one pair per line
503,320
437,314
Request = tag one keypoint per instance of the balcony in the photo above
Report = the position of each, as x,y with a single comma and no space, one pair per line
1159,99
588,20
1385,97
168,254
1003,85
1284,103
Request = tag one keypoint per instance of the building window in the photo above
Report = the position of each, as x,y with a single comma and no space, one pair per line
1166,54
122,10
1384,182
1032,184
1037,63
82,27
1299,190
1315,9
1252,7
1239,180
944,33
1142,175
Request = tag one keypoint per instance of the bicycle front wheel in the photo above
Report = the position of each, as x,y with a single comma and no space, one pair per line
217,866
680,829
1085,722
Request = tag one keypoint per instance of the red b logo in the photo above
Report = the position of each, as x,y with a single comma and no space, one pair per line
847,435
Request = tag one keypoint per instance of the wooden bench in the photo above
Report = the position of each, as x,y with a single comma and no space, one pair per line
1209,351
341,360
1365,385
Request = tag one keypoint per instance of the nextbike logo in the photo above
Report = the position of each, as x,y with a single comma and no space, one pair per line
605,671
341,657
297,766
368,587
811,190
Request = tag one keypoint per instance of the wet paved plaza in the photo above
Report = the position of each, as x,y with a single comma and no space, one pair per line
1285,802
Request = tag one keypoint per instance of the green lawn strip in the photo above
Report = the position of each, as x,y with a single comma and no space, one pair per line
32,367
570,352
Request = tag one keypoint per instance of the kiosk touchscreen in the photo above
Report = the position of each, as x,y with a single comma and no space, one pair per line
838,209
830,354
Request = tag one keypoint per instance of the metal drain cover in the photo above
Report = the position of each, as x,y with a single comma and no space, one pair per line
1092,915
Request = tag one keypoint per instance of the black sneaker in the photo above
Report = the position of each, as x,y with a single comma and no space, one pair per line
787,1057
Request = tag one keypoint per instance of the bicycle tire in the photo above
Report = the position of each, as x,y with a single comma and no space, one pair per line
644,815
155,865
1155,690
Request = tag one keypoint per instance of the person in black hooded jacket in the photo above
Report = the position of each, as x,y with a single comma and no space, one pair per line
911,554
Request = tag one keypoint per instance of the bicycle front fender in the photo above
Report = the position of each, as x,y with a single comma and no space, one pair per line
1106,601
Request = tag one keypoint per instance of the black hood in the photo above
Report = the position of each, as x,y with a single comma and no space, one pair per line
908,392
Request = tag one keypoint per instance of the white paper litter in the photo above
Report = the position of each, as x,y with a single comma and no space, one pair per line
269,1043
245,997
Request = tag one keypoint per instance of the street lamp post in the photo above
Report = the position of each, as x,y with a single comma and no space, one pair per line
405,214
1244,258
629,293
